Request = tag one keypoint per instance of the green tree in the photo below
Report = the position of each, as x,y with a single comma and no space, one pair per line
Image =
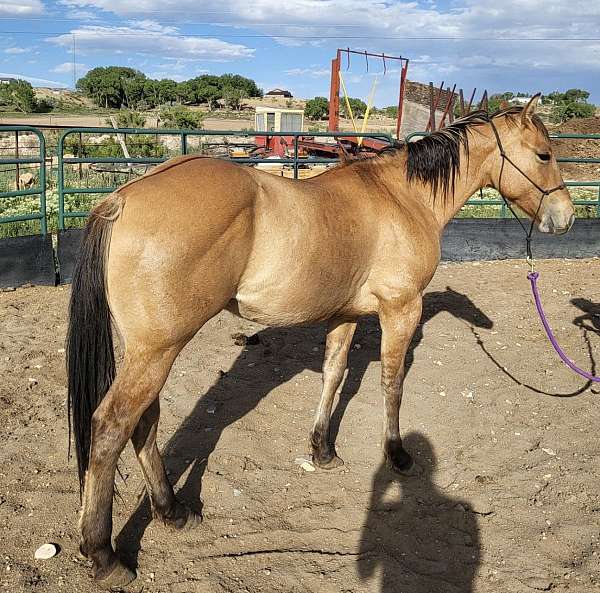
108,86
180,118
246,85
316,108
208,92
358,107
23,97
391,111
576,96
570,104
233,97
167,91
564,111
185,92
18,95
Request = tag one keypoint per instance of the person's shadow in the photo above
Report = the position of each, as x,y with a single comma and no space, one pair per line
251,377
415,536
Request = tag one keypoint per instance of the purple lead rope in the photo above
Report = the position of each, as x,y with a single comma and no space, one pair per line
533,276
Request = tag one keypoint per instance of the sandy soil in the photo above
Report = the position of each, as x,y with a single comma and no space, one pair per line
507,439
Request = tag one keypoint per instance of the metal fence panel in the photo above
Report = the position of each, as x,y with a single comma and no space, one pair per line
40,189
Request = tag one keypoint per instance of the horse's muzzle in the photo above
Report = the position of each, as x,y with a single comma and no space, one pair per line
557,225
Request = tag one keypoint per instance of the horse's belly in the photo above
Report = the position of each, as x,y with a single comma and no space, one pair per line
295,303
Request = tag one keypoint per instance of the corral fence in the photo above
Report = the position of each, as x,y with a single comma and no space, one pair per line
69,180
28,258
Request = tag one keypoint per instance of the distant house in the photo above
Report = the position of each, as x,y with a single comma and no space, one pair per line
7,80
523,100
279,93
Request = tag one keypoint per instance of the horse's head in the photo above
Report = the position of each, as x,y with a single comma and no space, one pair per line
528,174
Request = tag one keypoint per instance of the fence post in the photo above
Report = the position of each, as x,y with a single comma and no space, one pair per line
17,169
42,180
183,143
296,156
60,182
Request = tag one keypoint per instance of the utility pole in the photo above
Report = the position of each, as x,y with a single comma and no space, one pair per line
74,64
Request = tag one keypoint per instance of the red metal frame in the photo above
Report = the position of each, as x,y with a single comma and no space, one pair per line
334,87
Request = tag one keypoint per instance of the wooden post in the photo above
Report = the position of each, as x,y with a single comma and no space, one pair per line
401,98
471,100
484,102
449,102
434,105
431,124
334,95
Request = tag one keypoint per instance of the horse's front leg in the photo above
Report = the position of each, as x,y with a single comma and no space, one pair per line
339,338
398,324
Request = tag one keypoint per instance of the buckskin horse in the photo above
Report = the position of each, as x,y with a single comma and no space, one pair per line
168,251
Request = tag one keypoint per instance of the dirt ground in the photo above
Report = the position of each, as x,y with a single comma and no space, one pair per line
506,437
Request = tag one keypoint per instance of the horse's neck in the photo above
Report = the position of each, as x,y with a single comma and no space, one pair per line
472,175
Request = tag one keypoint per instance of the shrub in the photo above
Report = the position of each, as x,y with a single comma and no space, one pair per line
128,119
181,118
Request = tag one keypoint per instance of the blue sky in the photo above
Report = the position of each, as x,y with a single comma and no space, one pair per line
528,45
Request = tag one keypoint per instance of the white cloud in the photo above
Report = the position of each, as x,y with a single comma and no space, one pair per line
21,8
33,80
82,15
390,25
150,38
67,68
312,71
16,50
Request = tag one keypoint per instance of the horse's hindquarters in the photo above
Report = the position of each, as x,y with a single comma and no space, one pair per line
167,277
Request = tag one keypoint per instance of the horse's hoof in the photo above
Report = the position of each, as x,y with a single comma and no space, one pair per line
411,469
120,576
331,463
193,520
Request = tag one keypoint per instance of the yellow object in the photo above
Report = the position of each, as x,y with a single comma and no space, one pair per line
348,108
367,112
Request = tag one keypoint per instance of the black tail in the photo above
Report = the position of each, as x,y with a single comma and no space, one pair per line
90,355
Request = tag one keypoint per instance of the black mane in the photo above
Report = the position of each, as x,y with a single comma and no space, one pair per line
435,159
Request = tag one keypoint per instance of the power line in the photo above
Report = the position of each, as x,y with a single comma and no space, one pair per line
221,35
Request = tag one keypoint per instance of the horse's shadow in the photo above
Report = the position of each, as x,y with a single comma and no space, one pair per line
415,536
590,320
239,390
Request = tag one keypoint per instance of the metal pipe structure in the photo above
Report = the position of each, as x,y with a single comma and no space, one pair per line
334,87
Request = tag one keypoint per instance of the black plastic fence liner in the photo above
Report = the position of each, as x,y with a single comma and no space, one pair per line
472,239
67,249
27,260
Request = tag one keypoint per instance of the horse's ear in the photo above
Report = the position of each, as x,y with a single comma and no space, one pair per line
529,109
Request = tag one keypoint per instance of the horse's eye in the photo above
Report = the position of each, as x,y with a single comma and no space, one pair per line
544,156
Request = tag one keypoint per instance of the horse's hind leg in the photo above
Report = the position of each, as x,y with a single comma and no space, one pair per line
136,386
339,338
160,491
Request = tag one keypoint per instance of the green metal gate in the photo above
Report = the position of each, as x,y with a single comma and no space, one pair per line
18,161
